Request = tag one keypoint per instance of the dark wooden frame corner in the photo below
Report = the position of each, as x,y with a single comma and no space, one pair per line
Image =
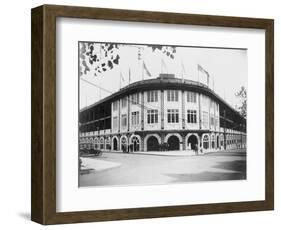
43,160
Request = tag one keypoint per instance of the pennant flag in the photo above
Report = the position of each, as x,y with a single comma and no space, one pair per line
121,77
146,70
129,75
201,69
182,70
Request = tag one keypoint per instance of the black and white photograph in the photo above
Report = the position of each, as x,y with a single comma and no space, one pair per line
157,114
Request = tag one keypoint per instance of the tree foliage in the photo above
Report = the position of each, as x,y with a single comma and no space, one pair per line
101,57
242,95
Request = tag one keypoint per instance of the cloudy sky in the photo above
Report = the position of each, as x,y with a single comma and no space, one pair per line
227,69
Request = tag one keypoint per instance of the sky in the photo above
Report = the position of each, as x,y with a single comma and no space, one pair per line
227,69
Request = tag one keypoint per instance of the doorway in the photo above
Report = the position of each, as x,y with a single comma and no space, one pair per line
174,143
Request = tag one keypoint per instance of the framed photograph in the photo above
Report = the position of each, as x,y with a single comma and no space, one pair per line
140,114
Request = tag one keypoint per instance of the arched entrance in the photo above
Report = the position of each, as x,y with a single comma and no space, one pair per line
213,141
101,143
136,143
124,143
107,143
192,141
96,143
152,144
174,143
222,140
115,144
205,141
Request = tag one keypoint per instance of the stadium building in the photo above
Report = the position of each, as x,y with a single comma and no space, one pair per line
164,113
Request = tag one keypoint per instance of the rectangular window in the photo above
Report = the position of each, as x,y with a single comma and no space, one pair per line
115,123
173,116
217,122
135,118
205,119
135,99
152,96
212,120
172,95
191,116
115,105
124,120
191,97
152,116
124,102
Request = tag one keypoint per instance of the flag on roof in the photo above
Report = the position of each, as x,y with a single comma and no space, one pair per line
146,69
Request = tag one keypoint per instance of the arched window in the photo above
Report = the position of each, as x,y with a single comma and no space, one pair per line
101,143
115,143
91,143
206,142
88,144
124,144
227,140
222,139
107,143
135,144
96,143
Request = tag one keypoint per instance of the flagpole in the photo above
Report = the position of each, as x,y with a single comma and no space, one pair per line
142,69
197,74
120,80
129,76
182,70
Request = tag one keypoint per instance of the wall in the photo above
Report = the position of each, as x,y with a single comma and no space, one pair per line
15,114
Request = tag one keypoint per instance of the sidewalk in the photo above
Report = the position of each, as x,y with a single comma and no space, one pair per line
89,164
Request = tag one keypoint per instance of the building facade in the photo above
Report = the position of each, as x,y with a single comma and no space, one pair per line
165,113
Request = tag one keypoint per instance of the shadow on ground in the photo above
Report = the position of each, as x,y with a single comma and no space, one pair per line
238,166
237,171
240,154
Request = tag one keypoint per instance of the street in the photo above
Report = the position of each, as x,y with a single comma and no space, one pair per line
142,169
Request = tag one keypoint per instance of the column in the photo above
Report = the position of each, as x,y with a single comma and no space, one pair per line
199,108
183,142
142,143
162,109
224,134
183,109
162,135
209,113
129,111
142,110
119,116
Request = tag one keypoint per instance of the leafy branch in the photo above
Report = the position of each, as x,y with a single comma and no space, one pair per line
242,95
101,57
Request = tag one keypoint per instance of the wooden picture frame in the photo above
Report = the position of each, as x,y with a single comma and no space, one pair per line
43,205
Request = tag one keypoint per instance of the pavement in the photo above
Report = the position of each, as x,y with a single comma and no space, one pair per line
89,163
123,169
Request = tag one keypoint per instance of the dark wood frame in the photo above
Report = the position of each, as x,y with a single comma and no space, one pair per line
43,160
